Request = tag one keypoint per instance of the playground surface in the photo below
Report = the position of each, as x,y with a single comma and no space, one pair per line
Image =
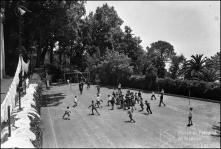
166,127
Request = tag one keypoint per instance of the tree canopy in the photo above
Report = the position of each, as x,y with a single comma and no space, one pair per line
95,42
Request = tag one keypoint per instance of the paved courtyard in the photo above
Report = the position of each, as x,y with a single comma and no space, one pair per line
166,127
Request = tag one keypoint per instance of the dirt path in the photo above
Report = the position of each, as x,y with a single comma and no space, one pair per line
166,127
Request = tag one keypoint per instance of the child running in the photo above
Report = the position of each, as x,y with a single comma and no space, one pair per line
98,101
67,112
93,107
148,107
75,101
130,114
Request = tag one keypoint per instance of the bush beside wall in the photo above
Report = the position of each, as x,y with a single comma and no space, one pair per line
199,89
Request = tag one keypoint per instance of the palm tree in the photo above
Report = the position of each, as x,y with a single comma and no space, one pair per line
194,68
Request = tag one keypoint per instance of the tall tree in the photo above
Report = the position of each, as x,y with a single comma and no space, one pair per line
162,49
176,63
159,52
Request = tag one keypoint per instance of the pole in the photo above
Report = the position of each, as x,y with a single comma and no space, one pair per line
189,96
9,122
19,90
2,49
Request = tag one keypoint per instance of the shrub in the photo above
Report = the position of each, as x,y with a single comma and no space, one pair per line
200,89
114,67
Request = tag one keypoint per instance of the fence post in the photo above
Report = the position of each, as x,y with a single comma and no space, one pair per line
9,122
25,85
19,90
19,98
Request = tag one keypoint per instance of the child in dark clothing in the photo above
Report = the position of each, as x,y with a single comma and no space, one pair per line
93,107
112,103
109,99
67,112
148,107
141,104
190,117
161,100
98,89
139,94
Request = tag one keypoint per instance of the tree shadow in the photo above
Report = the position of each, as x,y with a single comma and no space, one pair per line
217,129
90,114
51,100
129,121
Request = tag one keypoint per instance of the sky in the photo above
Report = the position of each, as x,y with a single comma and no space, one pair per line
192,27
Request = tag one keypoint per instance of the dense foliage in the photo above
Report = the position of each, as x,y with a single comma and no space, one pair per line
62,32
200,89
114,67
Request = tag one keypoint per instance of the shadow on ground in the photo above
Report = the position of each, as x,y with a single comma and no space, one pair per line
217,129
51,100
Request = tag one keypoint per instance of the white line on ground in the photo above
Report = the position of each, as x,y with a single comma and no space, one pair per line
56,144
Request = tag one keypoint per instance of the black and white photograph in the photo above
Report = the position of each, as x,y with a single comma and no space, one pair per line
110,74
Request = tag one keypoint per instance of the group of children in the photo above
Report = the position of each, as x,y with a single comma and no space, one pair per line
126,102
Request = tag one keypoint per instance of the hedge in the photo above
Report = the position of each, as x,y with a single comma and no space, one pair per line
199,89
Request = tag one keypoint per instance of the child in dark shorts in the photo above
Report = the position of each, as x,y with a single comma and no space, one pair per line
67,112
